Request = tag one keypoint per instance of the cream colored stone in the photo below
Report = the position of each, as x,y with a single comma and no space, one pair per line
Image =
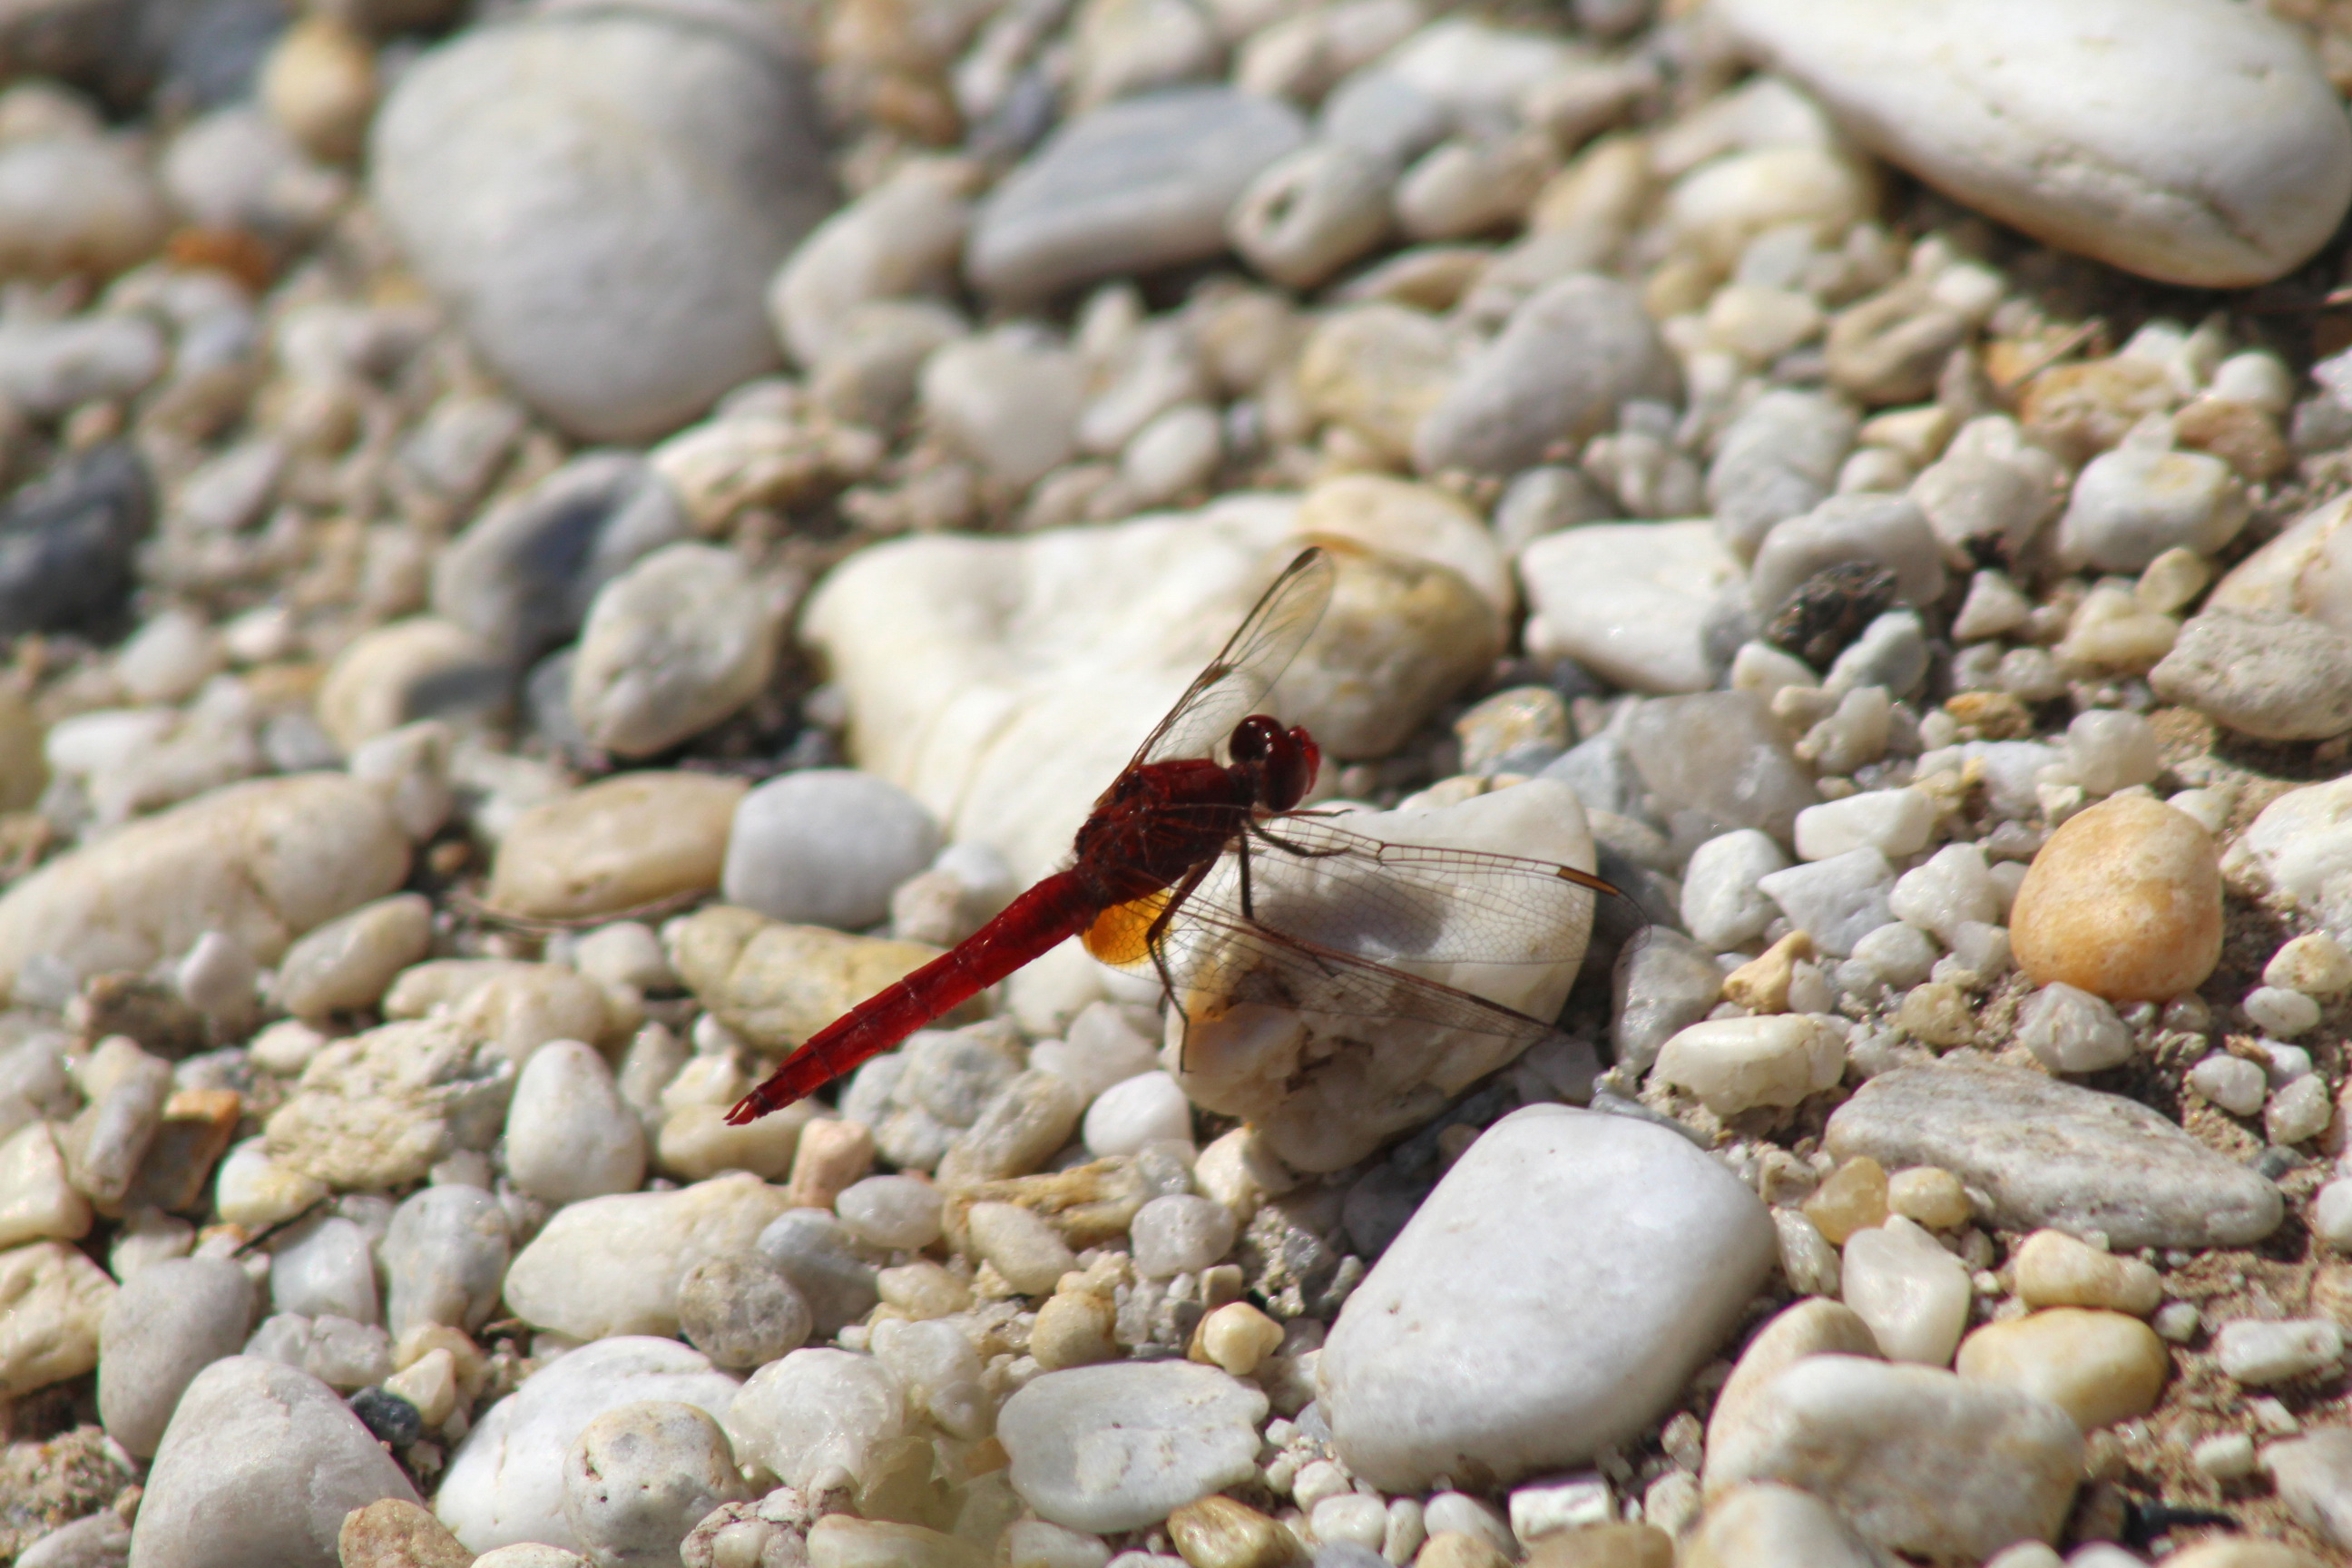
776,984
37,1201
2100,1367
633,840
52,1299
2054,1269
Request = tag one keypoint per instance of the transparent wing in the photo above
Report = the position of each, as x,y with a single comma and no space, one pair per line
1235,683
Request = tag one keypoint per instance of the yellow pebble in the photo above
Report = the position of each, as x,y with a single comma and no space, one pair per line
1761,984
1236,1337
1852,1199
1930,1195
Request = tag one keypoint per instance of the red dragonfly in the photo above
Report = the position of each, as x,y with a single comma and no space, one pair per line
1134,891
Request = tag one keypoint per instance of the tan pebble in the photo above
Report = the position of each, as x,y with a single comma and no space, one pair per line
1761,984
1604,1546
834,1155
2331,1292
396,1533
695,1142
1218,1532
922,1290
2054,1269
845,1540
2099,1367
1025,1248
1815,1327
2124,902
1748,1526
1459,1549
2241,435
2314,963
1236,1337
614,846
1852,1199
1073,1329
319,84
1936,1012
1930,1195
2082,409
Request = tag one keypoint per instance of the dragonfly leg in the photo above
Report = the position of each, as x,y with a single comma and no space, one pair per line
1155,943
1261,831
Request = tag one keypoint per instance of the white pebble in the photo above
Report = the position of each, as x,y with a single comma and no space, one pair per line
329,1270
1950,888
2071,1030
2234,1083
569,1135
2109,751
1735,1064
826,847
1351,1517
2276,1011
1895,822
1146,1108
1180,1235
2226,1457
638,1478
1721,903
2331,1214
1913,1295
1898,952
1100,1048
2314,964
2298,1111
2259,1353
901,1211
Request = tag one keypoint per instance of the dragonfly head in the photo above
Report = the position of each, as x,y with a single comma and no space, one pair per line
1283,762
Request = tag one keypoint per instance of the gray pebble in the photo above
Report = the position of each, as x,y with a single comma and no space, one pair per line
48,368
741,1312
826,847
1837,901
1663,981
1008,399
894,1212
168,1323
2265,673
670,647
1885,530
1016,1132
1563,363
2051,1153
818,1256
325,1267
1722,756
1891,654
66,542
445,1258
1721,904
1311,213
1777,460
1128,188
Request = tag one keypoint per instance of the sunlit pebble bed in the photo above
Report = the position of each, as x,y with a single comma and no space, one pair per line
439,640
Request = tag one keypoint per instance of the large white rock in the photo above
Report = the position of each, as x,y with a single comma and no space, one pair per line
260,1464
1325,1088
1553,1296
612,1265
260,862
506,1479
2194,142
1119,1446
1630,601
1004,683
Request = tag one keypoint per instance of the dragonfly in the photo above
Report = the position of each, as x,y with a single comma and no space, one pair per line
1169,873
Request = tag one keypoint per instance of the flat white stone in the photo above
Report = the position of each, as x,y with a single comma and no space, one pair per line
2211,152
612,1265
1119,1446
1551,1296
1737,1064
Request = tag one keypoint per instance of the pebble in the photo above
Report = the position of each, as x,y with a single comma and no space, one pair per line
53,1301
2331,1215
505,1482
271,1449
1312,212
408,670
76,200
774,986
634,839
2132,504
640,1476
1148,1107
2051,1153
826,847
2111,750
325,1267
1917,1460
1378,369
1889,532
820,1259
612,1265
2265,673
2124,900
1016,1132
1778,459
2313,1475
902,237
2299,571
2070,1030
1130,188
670,647
522,575
1721,753
71,536
255,1190
741,1310
444,1255
901,1213
1836,902
380,1110
1564,362
1896,823
167,1323
817,1416
1121,1447
1632,602
569,1133
2293,850
2053,1269
2099,1367
1662,984
1603,1369
669,168
2279,1014
1754,1525
1721,904
2234,1083
2260,1355
2019,143
1181,1234
39,1201
393,1532
1913,1295
1737,1064
262,862
1024,1246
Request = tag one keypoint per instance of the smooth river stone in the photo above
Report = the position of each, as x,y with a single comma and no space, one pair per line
612,1264
1552,1297
261,862
1630,601
2124,902
2213,152
1919,1460
2053,1155
505,1482
632,840
1118,1447
1007,721
776,984
1325,1090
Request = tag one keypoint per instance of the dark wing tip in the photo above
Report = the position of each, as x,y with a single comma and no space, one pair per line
1587,880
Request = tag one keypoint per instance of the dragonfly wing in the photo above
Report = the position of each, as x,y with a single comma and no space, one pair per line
1235,682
